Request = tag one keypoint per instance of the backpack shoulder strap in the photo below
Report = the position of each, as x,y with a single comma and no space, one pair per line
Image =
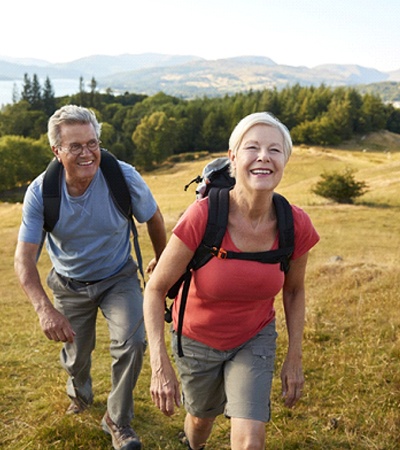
52,194
114,176
116,182
52,188
285,249
217,221
284,216
119,189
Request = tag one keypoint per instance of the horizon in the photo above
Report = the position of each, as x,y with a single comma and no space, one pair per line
31,60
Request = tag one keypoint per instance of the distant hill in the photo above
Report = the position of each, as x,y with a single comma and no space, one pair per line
190,76
389,91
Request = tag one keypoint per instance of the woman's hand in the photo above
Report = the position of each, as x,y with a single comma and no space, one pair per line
164,388
292,381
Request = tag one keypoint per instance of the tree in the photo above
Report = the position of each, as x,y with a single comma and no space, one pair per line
93,94
21,160
26,93
48,98
20,120
216,130
36,98
15,94
154,138
340,187
373,113
393,121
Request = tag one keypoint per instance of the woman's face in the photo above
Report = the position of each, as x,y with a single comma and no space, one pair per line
260,159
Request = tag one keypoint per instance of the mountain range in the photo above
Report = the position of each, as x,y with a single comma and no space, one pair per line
190,76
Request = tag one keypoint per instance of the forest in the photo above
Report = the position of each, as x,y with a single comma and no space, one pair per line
148,130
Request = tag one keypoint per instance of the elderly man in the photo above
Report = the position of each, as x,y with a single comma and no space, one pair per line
93,269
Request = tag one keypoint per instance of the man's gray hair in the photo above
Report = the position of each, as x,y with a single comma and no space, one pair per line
70,114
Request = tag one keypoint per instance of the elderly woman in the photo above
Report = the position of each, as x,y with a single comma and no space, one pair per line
228,334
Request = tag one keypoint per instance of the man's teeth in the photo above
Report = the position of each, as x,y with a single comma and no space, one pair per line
261,171
86,163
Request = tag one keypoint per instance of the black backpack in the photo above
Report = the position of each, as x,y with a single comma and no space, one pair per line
215,177
119,192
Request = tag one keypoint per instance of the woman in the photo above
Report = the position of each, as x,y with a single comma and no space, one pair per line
229,326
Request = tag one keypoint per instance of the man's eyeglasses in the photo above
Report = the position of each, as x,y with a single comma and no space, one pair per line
77,149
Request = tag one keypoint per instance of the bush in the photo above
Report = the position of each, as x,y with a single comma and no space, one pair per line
340,187
21,160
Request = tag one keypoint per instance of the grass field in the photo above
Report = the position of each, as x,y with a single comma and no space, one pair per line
352,334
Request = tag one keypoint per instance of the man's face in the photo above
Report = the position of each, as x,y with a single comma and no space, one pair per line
80,162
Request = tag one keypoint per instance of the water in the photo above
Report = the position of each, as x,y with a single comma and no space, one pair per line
60,87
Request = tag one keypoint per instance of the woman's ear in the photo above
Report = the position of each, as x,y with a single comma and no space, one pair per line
232,157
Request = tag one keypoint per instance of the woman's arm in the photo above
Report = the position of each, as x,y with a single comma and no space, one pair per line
171,265
294,304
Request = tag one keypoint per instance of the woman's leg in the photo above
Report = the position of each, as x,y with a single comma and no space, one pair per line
197,430
247,434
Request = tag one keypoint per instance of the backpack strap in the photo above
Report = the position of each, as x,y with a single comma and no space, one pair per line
216,226
115,178
284,216
119,190
218,210
52,194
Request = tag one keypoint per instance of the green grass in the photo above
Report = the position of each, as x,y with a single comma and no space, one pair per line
352,334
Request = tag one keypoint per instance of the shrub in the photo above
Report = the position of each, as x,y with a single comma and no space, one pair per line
340,187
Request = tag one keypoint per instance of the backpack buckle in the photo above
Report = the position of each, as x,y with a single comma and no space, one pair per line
220,253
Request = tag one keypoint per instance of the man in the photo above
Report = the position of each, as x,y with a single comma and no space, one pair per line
92,268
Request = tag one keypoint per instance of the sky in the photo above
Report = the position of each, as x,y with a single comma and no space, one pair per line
291,32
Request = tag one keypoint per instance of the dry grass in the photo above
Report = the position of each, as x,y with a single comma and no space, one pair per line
351,346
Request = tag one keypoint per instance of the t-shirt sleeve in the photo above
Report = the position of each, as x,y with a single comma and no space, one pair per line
191,226
144,204
305,234
31,229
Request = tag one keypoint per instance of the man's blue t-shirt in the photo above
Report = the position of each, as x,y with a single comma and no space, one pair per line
91,239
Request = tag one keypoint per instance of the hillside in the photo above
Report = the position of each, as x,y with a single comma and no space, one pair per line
190,76
351,341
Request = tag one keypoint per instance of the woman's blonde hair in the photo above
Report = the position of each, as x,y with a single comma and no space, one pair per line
265,118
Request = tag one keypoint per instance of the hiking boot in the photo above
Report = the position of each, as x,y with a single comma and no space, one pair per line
77,406
123,437
185,441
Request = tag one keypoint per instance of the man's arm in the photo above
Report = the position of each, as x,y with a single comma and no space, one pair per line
54,325
158,237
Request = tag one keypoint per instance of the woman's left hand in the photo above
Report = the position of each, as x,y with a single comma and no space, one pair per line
292,381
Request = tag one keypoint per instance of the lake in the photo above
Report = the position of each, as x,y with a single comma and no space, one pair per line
60,86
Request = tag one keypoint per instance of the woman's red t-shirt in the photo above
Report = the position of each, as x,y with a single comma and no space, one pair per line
229,300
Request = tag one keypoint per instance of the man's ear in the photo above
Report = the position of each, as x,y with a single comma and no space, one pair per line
56,153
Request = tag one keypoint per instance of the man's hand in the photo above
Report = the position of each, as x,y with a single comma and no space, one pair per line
56,326
151,266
